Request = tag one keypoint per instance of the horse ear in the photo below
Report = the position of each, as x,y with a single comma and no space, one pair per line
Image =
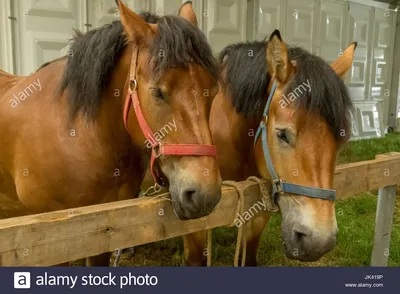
186,11
136,28
343,63
279,65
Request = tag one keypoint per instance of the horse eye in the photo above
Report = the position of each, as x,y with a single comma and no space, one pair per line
158,93
282,136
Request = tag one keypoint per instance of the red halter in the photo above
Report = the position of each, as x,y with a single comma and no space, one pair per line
157,149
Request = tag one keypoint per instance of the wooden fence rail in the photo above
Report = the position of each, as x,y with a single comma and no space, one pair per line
61,236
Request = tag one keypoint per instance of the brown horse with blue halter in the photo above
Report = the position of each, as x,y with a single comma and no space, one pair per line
278,185
305,112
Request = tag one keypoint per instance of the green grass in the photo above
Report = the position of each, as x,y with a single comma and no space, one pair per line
367,149
355,216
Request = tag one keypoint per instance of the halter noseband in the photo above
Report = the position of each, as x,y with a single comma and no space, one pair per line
279,186
157,149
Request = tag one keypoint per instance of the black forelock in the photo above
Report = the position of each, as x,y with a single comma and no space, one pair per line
328,95
178,44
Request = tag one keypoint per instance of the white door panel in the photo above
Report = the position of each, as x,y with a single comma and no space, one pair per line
225,23
360,30
166,7
102,12
268,17
381,57
6,48
300,23
42,29
332,29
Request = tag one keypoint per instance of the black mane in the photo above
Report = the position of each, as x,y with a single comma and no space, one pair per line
247,80
246,75
93,56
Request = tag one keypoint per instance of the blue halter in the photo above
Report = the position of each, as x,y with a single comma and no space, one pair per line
279,186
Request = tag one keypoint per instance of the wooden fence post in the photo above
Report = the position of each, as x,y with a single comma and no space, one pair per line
383,225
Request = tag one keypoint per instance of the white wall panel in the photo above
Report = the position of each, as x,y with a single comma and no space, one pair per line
381,66
225,22
6,47
300,18
102,12
332,29
360,30
42,29
394,106
268,16
369,122
163,7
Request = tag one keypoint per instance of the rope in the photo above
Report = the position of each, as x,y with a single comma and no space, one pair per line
241,237
269,203
209,243
117,257
241,241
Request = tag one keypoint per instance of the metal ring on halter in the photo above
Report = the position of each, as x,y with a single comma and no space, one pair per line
158,150
135,85
277,183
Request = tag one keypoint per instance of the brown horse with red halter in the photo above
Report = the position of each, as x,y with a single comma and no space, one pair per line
306,121
69,139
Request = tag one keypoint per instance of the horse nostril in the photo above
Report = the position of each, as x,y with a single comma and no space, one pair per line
302,234
190,199
198,201
188,195
299,236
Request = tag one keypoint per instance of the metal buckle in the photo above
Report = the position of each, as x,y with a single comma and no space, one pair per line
277,183
134,85
157,149
263,122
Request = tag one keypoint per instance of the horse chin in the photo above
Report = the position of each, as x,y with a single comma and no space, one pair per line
307,235
178,211
308,248
184,214
293,254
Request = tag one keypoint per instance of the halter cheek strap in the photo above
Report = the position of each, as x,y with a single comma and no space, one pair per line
157,149
279,186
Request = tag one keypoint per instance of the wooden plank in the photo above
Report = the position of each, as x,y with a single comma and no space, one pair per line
388,154
383,225
367,175
61,236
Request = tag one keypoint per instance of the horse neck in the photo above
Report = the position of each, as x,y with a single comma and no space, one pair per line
227,125
111,111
